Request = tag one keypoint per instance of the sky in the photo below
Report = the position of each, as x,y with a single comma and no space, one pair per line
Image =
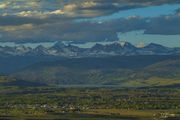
86,22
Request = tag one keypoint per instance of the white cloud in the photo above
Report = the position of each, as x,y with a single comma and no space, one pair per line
4,5
39,14
16,28
70,7
88,4
57,12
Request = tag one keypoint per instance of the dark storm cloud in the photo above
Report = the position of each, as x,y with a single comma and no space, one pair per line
89,31
93,8
74,8
16,20
70,31
164,25
20,20
124,4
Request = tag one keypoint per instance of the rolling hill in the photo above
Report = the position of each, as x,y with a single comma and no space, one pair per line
119,70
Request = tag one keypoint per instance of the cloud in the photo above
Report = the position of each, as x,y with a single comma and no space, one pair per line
106,7
75,8
38,14
88,4
4,5
17,20
17,28
61,30
164,25
70,31
44,21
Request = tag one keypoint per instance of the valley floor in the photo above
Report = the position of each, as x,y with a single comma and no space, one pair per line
99,103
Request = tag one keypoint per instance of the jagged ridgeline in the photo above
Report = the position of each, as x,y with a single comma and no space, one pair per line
116,48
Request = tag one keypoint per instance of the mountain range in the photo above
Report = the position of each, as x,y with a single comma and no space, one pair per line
119,63
61,50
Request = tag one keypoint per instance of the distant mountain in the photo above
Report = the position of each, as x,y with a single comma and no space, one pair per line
113,49
120,70
157,49
98,50
38,51
60,49
14,51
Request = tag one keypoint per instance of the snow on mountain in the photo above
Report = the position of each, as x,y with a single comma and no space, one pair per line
117,48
